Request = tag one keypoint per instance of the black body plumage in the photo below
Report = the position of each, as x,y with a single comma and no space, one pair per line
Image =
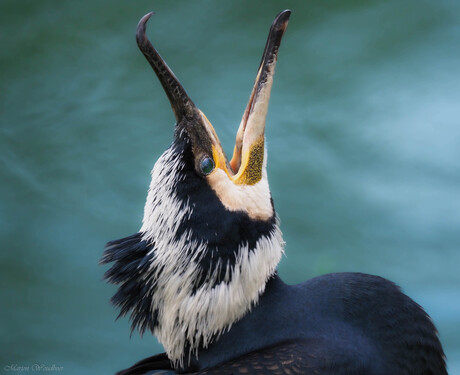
335,324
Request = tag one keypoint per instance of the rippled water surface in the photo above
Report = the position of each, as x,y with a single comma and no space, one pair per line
363,138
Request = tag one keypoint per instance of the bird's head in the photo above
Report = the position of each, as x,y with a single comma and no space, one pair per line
210,237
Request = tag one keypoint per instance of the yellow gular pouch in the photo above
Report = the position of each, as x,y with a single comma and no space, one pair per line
252,169
248,190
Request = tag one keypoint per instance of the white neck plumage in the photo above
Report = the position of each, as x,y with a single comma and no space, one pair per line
190,317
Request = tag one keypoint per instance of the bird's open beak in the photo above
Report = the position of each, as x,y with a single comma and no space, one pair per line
246,165
248,155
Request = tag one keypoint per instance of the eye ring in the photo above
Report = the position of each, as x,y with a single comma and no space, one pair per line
207,165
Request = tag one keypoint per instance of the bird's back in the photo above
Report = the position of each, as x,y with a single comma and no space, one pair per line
341,323
400,330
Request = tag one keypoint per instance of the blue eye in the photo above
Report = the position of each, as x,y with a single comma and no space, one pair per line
207,165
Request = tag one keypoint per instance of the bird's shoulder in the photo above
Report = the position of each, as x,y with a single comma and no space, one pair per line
158,364
301,356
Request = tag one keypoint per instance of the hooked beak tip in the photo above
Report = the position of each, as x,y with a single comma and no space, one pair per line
141,26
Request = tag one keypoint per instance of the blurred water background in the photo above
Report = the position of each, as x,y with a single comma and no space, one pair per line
363,138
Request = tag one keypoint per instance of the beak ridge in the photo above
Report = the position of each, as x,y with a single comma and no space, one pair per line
182,105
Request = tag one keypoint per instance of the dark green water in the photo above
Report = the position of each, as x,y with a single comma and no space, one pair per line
363,136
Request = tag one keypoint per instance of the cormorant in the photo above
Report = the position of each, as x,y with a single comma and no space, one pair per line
201,272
